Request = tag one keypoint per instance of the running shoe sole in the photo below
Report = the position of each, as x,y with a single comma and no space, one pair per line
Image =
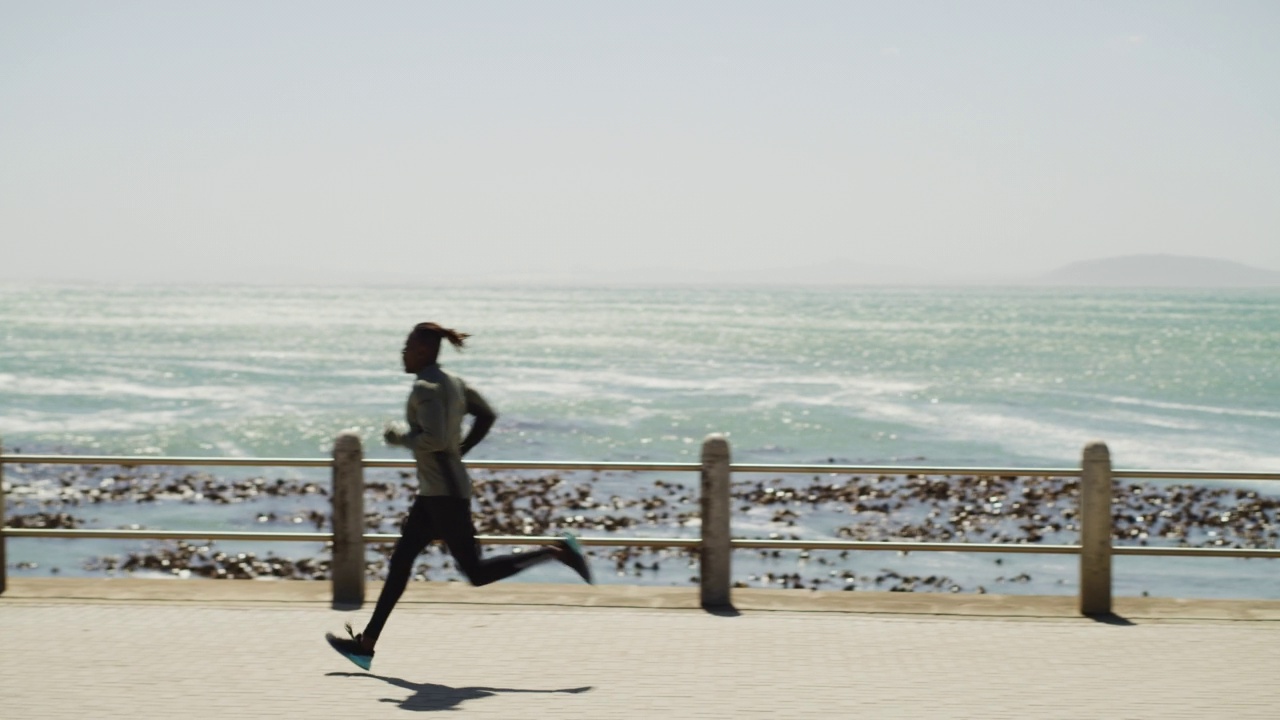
579,559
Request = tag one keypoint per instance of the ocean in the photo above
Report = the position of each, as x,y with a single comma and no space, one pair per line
1170,379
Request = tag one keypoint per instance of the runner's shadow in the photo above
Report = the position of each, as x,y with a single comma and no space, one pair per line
428,697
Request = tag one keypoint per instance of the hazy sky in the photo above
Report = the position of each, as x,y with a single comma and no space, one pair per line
313,140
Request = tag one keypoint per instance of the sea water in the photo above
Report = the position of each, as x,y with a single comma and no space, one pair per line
1170,379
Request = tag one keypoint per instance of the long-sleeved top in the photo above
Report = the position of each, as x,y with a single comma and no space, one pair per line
436,405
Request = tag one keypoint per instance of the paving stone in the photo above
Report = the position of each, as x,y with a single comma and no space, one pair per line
134,658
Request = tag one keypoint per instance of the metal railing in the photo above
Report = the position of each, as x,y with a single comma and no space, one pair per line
715,544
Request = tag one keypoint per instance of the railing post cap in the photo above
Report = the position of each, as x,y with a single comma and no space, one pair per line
716,443
347,441
1096,450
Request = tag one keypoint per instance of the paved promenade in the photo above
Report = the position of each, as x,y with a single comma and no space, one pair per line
203,649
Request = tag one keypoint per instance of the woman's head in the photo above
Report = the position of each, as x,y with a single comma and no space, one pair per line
422,347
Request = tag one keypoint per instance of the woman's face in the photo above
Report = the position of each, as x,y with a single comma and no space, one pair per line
416,355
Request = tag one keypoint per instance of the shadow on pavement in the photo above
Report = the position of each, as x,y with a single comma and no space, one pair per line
721,610
428,697
1112,619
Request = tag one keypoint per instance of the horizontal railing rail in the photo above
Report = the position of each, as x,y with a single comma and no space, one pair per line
348,542
610,466
649,542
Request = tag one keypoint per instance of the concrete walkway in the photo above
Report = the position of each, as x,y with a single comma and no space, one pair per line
204,649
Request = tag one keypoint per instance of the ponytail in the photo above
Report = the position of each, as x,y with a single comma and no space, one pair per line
429,332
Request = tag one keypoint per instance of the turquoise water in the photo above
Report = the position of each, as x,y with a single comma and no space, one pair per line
1023,377
1169,379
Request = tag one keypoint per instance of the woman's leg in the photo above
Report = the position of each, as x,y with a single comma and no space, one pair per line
416,533
452,519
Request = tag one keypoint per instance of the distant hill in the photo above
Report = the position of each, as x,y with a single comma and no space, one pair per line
1161,271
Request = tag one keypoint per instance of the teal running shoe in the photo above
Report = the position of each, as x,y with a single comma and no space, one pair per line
576,558
351,648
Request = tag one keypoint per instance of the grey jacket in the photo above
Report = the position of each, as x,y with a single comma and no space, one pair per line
436,405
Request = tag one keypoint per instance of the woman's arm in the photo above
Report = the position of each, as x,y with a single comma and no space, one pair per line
484,418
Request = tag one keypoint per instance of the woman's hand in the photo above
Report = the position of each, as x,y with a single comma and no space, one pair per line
393,435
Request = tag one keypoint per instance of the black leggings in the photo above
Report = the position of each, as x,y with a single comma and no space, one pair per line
447,519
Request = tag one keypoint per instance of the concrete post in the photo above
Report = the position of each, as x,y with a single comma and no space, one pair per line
1095,530
348,566
716,549
3,560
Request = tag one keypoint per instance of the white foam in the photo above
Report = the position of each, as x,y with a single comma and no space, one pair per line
1146,420
100,422
1134,442
1184,407
92,386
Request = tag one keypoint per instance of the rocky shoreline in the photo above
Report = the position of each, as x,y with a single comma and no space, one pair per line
988,509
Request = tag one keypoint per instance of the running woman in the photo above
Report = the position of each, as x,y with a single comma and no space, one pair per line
442,509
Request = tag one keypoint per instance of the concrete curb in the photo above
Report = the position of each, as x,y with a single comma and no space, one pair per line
513,595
